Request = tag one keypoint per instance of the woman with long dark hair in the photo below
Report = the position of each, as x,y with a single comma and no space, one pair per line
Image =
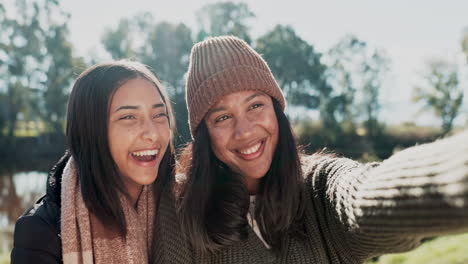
249,196
110,196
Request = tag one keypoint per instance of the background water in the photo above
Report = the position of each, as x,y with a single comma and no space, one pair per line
18,191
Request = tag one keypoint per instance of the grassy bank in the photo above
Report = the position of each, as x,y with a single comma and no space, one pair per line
5,258
443,250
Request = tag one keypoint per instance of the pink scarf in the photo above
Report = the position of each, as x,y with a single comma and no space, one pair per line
85,239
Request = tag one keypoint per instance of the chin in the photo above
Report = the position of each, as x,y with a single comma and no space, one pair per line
260,171
256,176
146,180
147,177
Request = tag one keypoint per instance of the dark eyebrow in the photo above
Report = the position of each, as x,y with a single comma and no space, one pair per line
125,107
253,96
133,107
159,105
214,110
222,108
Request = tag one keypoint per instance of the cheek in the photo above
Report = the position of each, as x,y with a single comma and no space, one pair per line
118,142
165,134
219,144
275,131
272,128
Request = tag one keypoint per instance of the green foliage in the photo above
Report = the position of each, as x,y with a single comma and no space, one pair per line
442,92
312,137
168,49
19,45
167,52
352,144
342,61
298,69
60,72
3,104
296,66
37,64
464,43
447,250
356,73
5,258
374,70
119,42
224,18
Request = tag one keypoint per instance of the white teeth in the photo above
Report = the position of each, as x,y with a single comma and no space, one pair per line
146,153
251,150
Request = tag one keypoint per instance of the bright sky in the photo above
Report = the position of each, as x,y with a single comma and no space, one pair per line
409,31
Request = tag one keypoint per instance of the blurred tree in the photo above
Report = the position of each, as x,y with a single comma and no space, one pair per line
296,65
36,62
20,41
60,68
3,103
356,73
119,41
167,52
442,92
374,70
224,18
299,72
127,39
343,60
464,43
123,41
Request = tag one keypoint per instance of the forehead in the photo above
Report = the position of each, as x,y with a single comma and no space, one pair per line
136,92
237,98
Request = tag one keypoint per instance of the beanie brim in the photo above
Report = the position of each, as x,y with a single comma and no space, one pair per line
236,79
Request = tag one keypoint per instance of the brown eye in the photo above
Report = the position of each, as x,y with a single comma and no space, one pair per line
127,117
254,106
160,115
221,118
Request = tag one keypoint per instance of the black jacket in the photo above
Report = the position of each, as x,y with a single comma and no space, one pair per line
37,231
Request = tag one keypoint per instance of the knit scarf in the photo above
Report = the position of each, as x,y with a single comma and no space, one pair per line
85,239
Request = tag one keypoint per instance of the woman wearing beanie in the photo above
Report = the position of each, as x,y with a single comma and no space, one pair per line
110,199
250,197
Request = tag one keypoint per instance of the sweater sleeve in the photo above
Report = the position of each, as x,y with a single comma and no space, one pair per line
389,207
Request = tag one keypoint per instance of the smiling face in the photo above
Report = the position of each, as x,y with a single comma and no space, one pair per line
138,132
244,133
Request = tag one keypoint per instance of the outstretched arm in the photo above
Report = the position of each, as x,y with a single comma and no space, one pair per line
389,207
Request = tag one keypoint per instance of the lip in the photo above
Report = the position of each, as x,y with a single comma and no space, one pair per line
255,155
146,164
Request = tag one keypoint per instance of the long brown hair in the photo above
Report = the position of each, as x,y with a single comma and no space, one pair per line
213,202
87,139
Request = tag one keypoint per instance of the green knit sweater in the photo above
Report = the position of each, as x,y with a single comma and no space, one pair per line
357,211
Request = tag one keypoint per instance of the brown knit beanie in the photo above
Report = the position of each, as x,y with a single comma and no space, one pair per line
220,66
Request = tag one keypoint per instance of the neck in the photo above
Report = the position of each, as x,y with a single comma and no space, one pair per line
252,185
135,197
134,191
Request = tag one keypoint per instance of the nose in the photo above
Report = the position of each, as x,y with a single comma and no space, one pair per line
244,128
150,131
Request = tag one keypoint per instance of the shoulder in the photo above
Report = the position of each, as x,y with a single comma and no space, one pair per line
320,163
36,237
321,170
